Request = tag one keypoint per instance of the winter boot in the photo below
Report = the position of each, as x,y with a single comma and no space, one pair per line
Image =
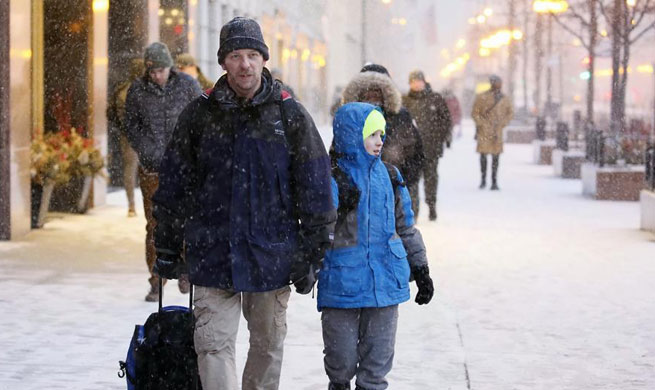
183,283
433,213
339,386
153,295
483,170
494,173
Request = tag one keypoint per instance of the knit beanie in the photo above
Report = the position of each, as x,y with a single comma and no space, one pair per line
416,75
241,33
184,60
157,56
374,122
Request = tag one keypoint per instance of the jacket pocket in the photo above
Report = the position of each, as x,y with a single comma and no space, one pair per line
347,274
399,263
269,191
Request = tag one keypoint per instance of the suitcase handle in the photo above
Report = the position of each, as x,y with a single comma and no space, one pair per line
161,295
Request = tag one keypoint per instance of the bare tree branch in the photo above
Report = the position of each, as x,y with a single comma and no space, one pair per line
644,31
571,31
607,16
577,15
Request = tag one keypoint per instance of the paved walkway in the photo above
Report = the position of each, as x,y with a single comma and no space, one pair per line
537,288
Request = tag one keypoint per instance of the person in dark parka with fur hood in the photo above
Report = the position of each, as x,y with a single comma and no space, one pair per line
402,146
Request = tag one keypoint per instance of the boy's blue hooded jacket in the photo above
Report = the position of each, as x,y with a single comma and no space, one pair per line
367,265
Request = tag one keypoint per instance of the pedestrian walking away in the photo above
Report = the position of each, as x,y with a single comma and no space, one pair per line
366,271
402,142
245,198
152,106
492,111
434,124
116,117
455,112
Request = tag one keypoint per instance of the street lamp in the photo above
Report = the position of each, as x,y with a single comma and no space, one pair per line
550,7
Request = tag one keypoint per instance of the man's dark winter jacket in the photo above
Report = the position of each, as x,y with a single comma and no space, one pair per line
151,113
431,113
245,187
402,143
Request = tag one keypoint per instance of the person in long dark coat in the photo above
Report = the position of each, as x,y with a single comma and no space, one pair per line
434,123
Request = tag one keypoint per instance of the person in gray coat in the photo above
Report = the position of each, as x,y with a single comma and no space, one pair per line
153,104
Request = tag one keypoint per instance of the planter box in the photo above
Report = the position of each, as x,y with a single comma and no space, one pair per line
612,182
647,200
543,151
567,164
523,135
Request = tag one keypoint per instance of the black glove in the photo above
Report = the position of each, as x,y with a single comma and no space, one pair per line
303,275
424,284
169,266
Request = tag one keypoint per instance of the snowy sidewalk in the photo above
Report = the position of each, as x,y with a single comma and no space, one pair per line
537,288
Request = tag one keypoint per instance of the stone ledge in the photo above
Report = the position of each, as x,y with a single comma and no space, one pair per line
543,151
647,203
611,182
567,164
523,135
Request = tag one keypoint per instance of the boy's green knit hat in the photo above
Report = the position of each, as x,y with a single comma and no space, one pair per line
374,122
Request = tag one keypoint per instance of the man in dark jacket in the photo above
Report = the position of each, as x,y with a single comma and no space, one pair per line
433,118
151,108
245,194
402,144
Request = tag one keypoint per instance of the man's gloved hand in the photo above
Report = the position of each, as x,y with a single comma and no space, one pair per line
169,266
424,284
303,275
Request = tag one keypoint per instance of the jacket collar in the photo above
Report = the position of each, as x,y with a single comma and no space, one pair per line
173,78
419,94
225,96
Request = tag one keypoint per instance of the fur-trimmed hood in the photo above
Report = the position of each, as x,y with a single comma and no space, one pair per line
354,91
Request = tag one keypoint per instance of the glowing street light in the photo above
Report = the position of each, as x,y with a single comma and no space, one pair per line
550,6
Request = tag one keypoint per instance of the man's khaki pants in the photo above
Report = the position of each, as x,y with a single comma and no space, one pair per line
217,314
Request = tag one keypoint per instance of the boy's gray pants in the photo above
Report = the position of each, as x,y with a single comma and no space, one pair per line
359,342
217,314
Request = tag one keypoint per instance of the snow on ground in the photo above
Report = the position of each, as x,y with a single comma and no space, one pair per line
537,288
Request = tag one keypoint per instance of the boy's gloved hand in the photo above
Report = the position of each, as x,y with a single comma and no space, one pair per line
303,275
424,284
168,266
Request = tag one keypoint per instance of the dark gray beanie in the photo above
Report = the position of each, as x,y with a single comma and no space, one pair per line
157,56
241,33
416,75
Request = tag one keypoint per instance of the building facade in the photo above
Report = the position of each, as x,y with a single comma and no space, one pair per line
60,61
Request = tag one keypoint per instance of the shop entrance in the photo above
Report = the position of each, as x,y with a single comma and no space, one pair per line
66,80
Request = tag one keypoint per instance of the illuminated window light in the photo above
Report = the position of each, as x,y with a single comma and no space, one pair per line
100,5
305,55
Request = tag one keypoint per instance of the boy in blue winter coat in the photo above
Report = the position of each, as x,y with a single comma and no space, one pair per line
366,272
